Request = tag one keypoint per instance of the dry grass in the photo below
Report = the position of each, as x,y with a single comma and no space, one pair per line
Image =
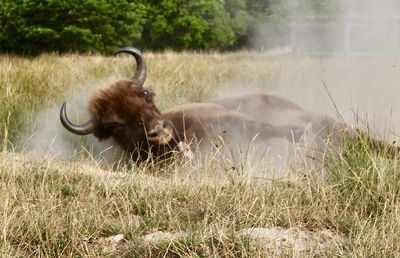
53,208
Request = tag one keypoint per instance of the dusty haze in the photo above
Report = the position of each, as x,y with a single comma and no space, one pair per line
353,46
52,140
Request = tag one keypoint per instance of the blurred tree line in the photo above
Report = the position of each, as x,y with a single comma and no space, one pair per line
34,26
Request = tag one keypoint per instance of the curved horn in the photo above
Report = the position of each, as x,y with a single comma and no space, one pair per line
85,128
140,73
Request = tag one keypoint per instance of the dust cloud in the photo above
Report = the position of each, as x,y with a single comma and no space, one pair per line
50,140
351,46
341,59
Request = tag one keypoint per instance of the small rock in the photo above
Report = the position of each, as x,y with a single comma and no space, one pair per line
160,236
109,244
115,239
281,241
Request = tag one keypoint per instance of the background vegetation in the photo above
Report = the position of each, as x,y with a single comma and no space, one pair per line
34,26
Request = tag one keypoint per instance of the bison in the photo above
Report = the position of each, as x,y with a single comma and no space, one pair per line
125,111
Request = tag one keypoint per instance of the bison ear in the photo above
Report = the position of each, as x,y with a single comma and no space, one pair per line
112,119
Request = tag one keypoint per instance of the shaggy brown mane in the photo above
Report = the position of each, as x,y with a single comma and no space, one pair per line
119,102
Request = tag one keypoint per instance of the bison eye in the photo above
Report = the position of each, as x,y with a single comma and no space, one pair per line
134,124
146,95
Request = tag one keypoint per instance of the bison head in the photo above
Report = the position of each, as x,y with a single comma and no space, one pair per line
125,111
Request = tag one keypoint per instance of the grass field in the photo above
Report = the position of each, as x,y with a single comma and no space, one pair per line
67,208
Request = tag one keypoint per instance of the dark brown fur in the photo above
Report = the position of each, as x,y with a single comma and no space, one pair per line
123,111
